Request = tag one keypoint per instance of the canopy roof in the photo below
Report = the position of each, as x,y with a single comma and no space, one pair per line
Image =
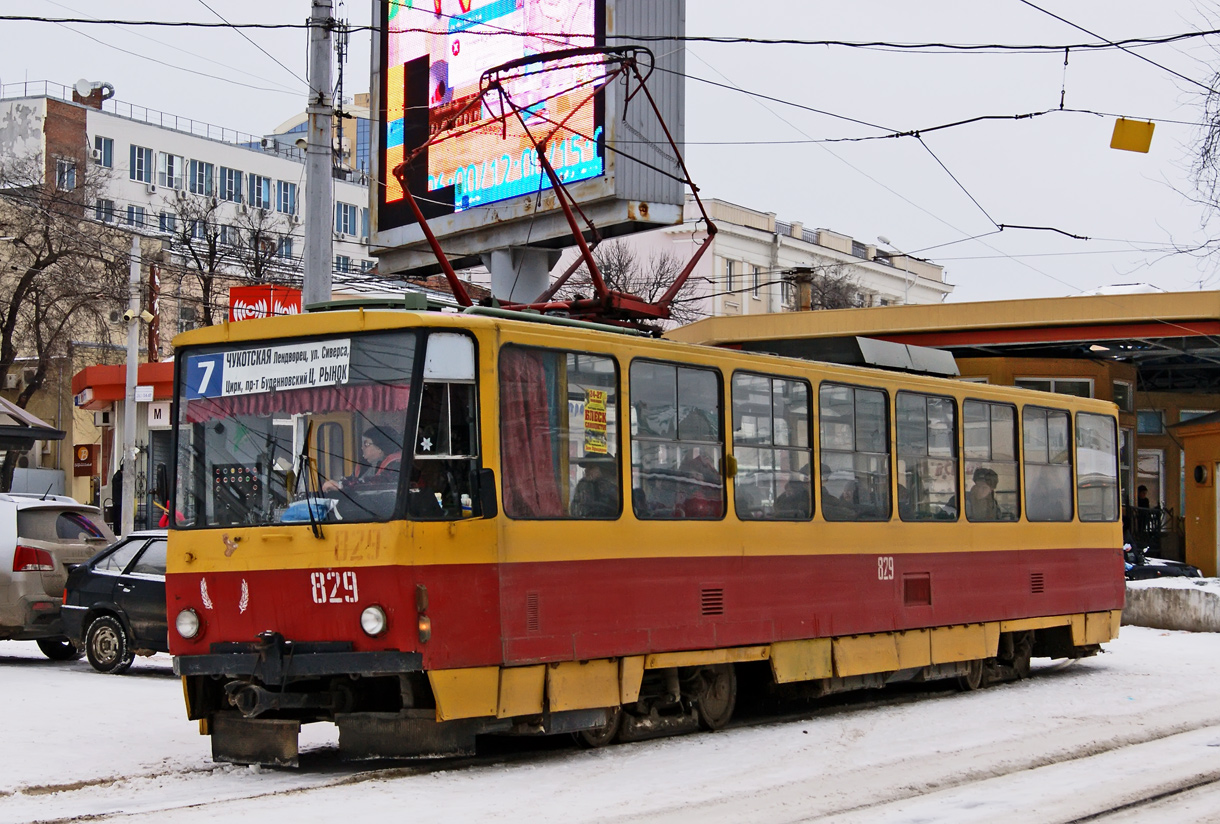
19,429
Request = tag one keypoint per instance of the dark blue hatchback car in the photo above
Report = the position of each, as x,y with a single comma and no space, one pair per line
114,603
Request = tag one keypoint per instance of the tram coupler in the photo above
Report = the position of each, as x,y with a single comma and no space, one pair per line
252,700
266,741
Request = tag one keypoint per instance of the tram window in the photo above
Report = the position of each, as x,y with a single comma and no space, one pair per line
559,434
1096,467
331,450
771,444
446,452
855,464
676,443
989,433
1048,464
927,457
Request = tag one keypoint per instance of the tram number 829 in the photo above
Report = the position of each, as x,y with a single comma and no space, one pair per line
333,587
885,568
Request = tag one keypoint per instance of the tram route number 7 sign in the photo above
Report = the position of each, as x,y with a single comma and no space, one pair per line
267,368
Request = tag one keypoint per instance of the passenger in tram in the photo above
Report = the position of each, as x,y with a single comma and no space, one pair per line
596,494
794,501
702,484
382,461
980,500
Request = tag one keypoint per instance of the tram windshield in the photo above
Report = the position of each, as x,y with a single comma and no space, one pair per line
293,431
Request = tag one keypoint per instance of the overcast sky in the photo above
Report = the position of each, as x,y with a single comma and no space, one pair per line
1055,170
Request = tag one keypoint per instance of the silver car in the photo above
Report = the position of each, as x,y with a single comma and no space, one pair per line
41,539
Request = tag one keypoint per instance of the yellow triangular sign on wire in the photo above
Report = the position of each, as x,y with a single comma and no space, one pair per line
1132,135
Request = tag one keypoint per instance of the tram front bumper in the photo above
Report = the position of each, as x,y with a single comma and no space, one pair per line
274,660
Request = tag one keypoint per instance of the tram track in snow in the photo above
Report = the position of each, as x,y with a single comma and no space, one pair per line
951,774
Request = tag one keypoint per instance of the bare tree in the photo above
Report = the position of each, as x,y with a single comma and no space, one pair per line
624,271
825,286
62,274
214,250
203,252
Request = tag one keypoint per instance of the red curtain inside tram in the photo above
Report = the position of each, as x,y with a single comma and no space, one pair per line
366,398
527,449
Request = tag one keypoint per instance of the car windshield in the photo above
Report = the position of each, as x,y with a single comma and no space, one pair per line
263,426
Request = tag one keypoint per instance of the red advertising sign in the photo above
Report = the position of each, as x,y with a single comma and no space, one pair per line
84,461
247,302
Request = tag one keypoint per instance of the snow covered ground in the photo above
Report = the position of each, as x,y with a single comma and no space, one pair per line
1078,739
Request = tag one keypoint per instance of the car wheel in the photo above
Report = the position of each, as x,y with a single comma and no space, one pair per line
107,647
59,649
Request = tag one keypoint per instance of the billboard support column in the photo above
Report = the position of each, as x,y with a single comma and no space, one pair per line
319,161
520,275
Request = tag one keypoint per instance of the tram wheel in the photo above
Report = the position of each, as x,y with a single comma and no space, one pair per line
716,696
603,735
973,679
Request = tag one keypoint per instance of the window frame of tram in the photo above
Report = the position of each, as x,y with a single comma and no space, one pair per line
560,485
925,429
671,458
985,451
774,450
439,473
1092,497
855,481
1047,465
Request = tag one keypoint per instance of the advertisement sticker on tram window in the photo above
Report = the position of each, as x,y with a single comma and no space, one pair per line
595,422
267,369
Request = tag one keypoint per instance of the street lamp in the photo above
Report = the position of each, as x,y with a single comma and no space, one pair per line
906,274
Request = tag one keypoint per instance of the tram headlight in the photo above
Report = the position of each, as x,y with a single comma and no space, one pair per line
373,620
187,623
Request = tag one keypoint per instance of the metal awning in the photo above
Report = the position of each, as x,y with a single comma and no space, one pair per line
19,429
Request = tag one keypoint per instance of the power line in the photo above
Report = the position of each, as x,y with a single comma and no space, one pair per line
252,43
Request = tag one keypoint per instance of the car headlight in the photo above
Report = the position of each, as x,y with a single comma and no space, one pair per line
373,620
187,623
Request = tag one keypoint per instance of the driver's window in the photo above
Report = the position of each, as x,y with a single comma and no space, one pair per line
446,439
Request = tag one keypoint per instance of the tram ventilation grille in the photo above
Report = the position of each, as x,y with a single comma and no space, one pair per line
1036,584
712,601
531,612
917,589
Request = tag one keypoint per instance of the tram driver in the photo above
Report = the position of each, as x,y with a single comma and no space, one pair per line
382,461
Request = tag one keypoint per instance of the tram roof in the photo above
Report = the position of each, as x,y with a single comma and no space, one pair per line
1172,337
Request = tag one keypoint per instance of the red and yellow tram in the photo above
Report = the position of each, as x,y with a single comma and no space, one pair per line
424,527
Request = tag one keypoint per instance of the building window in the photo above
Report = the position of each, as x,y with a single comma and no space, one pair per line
260,192
135,215
345,218
104,210
1150,422
285,197
141,164
1124,397
65,174
730,276
1048,464
366,265
168,223
1190,414
202,178
757,286
364,223
103,148
284,249
199,229
169,170
343,263
855,471
230,235
230,184
1076,387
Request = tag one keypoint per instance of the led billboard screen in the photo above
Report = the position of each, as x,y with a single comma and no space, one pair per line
434,53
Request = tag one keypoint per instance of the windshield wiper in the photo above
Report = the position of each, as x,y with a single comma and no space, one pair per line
304,462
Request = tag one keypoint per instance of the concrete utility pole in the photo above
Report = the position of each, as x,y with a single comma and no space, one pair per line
132,317
319,200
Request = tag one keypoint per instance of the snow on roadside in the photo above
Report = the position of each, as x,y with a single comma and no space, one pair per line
63,724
